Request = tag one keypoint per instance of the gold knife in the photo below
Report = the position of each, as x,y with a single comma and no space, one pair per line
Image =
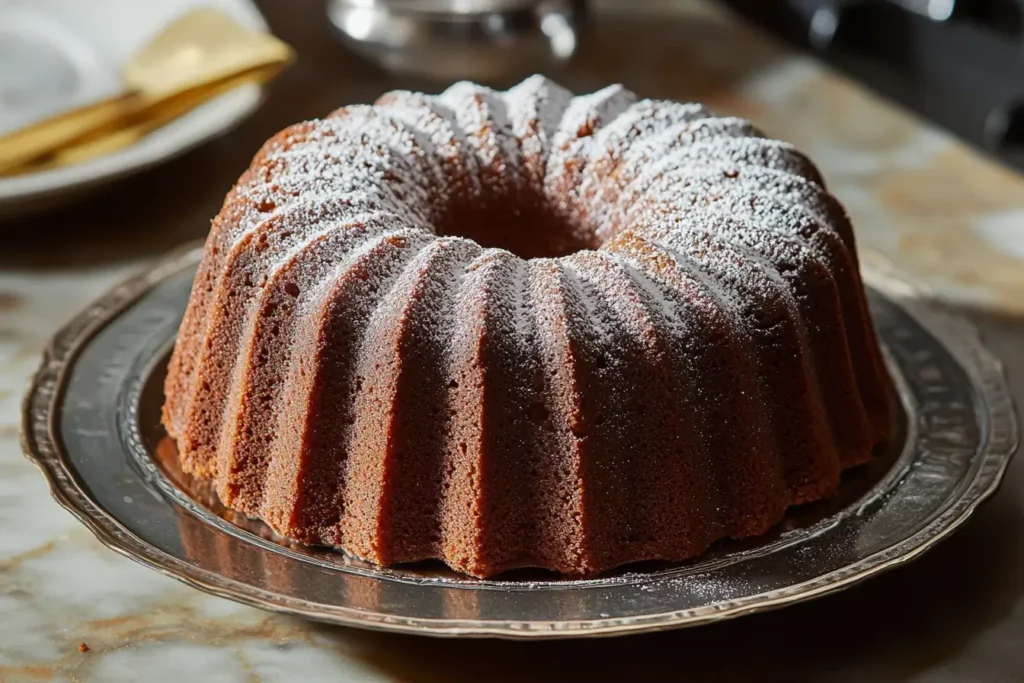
200,55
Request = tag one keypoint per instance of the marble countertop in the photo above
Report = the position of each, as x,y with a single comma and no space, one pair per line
71,610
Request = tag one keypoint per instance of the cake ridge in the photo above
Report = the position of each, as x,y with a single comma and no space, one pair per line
690,336
519,487
646,120
740,249
347,303
726,152
536,107
273,282
246,264
440,125
784,185
767,473
567,160
245,417
604,392
423,367
859,335
246,207
253,223
481,113
618,167
561,412
629,192
738,385
470,459
672,444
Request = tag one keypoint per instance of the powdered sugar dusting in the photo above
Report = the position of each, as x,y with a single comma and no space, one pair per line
535,108
439,124
596,159
600,156
574,137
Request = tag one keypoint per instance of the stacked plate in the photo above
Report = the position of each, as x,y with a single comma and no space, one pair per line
56,55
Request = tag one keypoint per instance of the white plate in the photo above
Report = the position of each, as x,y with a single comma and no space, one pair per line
59,54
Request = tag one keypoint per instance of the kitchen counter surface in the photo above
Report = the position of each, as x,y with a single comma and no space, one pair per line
922,203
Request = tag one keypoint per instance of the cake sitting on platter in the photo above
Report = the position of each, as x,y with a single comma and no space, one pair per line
526,329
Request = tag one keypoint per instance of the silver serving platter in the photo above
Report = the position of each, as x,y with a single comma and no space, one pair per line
91,424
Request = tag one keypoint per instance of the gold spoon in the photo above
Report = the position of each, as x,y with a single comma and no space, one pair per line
200,55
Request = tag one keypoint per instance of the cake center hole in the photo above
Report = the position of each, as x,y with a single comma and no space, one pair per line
527,226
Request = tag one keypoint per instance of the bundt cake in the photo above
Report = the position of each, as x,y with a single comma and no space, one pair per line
526,329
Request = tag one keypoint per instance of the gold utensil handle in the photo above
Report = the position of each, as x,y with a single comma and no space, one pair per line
108,125
201,53
148,120
29,143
